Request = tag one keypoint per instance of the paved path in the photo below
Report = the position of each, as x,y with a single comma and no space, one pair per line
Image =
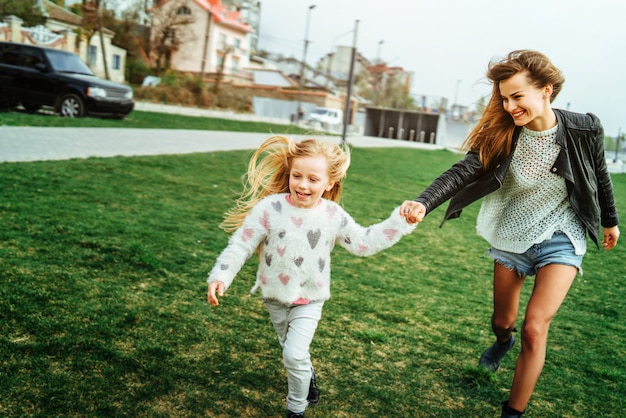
40,143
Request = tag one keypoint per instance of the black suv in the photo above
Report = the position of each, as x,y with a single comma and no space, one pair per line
35,76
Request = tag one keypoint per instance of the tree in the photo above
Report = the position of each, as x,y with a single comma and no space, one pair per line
220,71
134,37
92,23
169,30
24,9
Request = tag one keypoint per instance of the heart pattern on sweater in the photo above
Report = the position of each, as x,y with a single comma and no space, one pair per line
321,263
298,261
265,220
297,221
268,259
224,267
248,233
277,206
281,250
331,210
313,238
344,221
281,234
263,279
390,233
284,278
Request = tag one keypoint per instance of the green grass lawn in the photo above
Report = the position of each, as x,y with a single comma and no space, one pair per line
139,119
103,302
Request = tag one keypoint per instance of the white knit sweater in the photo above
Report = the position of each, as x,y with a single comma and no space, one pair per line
295,246
532,203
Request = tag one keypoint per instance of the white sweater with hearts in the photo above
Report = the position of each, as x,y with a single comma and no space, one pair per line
295,246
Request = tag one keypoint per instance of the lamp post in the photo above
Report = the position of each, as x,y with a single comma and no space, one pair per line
302,64
378,71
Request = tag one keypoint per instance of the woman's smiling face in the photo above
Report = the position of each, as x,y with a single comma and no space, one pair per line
528,105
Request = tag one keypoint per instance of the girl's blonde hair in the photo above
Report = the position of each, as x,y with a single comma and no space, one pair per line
492,137
269,168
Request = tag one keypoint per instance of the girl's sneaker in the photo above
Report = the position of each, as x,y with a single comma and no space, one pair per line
314,392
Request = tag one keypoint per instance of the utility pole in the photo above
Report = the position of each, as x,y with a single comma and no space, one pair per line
302,64
205,48
99,6
346,116
379,71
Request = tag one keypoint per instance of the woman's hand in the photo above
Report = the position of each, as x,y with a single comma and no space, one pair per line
412,211
611,235
215,286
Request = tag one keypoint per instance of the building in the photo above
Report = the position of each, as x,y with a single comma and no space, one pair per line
205,37
251,14
336,65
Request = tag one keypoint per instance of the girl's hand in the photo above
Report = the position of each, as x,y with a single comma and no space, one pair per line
412,211
611,235
213,286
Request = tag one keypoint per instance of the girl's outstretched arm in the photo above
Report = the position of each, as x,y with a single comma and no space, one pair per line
213,287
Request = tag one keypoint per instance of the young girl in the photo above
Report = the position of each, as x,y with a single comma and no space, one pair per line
288,213
543,174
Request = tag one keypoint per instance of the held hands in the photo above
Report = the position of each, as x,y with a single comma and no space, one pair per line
611,235
413,212
215,286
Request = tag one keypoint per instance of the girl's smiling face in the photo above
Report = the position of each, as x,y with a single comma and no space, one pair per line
308,180
528,105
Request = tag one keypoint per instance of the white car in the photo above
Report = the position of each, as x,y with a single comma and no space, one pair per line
326,117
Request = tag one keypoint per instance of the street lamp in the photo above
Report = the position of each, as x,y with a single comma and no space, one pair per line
302,64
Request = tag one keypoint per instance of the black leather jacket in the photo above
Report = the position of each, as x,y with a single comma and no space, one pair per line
581,162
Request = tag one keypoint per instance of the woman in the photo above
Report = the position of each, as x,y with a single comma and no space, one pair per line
543,174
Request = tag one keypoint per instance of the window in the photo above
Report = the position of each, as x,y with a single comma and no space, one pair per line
220,62
183,11
9,54
116,61
31,57
235,66
237,44
222,41
92,55
170,37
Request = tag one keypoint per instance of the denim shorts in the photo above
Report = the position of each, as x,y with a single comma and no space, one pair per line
556,250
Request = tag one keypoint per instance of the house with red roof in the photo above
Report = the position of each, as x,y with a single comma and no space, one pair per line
206,37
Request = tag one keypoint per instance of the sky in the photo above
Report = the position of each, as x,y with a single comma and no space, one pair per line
447,44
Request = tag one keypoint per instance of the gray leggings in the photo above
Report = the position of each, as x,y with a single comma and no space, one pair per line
295,326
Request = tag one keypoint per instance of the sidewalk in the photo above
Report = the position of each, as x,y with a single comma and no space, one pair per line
40,144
